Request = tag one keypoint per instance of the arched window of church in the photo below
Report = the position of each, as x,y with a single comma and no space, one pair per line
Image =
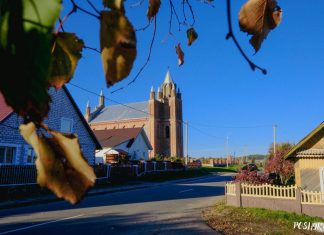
167,132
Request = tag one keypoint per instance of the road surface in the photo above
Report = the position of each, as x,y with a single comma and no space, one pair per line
170,208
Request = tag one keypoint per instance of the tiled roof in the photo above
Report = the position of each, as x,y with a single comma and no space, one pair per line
5,110
122,112
114,137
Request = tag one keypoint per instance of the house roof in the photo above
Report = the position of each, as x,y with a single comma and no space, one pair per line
307,139
85,124
122,112
114,137
5,110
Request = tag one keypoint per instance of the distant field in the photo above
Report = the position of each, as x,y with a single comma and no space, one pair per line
219,169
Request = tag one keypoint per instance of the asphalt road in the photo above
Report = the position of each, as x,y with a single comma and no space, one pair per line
170,208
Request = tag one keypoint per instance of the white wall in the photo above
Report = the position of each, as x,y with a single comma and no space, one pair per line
138,149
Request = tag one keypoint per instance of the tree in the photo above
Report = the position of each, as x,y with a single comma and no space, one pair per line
282,168
48,57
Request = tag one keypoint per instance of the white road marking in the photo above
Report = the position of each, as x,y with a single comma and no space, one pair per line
41,224
183,191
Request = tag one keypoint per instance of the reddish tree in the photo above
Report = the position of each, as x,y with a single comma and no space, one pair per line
252,177
284,169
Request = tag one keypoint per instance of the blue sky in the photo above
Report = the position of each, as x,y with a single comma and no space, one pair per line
222,96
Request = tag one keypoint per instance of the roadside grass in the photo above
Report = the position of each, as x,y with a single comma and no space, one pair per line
172,175
235,220
221,169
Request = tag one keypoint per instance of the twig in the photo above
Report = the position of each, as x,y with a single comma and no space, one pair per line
191,11
83,10
175,13
139,3
144,28
92,48
73,10
231,35
146,62
93,7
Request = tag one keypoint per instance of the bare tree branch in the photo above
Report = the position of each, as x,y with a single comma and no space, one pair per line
231,35
146,62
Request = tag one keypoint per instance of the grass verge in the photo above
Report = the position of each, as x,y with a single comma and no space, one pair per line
235,220
173,175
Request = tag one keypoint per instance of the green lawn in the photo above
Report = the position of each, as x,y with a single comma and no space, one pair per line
236,220
218,169
173,175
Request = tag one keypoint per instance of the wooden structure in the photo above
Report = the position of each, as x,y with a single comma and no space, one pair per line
308,156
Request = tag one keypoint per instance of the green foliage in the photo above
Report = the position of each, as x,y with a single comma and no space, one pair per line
28,66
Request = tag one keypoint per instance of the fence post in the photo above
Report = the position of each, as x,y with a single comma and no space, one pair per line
145,168
238,194
165,166
136,170
154,166
298,200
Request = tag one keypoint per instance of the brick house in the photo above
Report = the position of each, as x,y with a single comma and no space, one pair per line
64,116
308,157
160,116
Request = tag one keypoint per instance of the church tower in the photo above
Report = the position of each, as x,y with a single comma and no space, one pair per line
167,116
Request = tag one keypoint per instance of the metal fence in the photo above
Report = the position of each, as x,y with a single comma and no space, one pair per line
27,174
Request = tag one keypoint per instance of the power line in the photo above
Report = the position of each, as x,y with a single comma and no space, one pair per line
235,127
130,107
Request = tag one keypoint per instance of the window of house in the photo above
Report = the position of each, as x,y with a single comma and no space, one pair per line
66,125
167,132
7,154
31,156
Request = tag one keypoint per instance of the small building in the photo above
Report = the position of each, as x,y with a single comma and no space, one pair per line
308,157
130,142
64,116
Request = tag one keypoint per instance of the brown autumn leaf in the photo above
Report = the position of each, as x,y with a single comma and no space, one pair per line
65,56
154,6
114,4
118,46
259,17
55,169
180,54
191,36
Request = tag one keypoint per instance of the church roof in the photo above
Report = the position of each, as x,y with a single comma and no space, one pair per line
168,78
122,112
5,110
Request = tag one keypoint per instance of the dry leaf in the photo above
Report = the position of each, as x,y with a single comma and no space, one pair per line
191,35
259,17
69,177
180,54
114,4
118,46
66,54
154,6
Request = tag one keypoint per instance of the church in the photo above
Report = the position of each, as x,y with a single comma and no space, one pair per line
160,117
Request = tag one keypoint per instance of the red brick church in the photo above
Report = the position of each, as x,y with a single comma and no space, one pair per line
160,116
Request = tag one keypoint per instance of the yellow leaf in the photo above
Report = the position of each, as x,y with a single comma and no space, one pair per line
259,17
56,168
118,46
154,6
66,54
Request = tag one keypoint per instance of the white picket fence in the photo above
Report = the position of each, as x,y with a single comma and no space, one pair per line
274,191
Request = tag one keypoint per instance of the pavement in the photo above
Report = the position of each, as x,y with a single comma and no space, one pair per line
172,207
41,199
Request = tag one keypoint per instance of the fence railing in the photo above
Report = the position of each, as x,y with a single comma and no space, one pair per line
274,191
230,189
312,197
27,174
267,190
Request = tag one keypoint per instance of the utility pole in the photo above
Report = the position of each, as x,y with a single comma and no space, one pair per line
227,138
274,139
187,155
